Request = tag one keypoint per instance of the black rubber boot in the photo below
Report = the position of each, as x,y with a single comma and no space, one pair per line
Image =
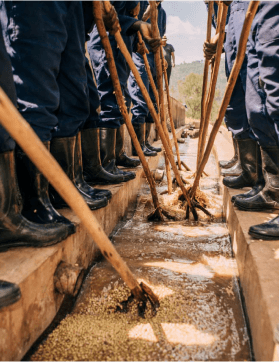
93,171
79,179
267,231
34,190
121,158
15,229
233,161
147,134
9,293
236,169
257,188
140,132
249,153
63,150
107,151
268,198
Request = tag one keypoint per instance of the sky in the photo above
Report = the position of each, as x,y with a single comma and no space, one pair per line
186,28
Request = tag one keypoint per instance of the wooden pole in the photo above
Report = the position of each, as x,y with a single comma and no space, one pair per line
149,73
122,105
211,93
251,11
170,114
153,113
205,79
26,138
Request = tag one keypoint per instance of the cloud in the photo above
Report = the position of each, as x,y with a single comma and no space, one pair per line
175,26
186,38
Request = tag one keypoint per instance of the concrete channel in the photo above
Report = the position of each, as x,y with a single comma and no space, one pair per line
191,268
218,288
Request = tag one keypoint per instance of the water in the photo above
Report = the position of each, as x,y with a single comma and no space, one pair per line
190,267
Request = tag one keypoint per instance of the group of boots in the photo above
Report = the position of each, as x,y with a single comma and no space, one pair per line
28,204
257,168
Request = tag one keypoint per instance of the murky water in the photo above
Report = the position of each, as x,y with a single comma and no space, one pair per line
191,268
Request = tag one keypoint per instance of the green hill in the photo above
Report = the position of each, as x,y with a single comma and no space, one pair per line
180,71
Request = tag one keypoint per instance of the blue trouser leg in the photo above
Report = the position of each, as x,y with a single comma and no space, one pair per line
42,39
263,75
72,79
93,118
7,83
236,117
110,116
139,109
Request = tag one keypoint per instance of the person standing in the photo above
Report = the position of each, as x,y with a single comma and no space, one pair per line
170,58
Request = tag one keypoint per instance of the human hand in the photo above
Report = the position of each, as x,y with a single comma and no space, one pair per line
111,20
209,49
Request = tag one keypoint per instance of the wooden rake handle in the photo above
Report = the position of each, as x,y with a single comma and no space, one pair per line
152,110
26,138
251,11
120,99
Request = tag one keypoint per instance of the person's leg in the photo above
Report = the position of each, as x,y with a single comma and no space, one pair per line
94,173
139,110
265,84
110,118
17,231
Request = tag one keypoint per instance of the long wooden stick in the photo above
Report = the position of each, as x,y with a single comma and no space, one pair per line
251,11
149,73
26,138
211,93
205,78
170,113
168,150
122,105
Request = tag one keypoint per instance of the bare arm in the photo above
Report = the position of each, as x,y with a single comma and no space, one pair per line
173,59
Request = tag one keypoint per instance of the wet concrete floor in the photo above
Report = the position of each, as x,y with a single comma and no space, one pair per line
188,265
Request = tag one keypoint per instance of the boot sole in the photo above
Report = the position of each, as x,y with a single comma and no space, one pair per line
263,237
271,209
25,244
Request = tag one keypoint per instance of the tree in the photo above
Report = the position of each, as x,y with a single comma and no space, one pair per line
190,92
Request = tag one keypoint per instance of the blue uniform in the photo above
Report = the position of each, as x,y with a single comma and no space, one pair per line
236,117
7,84
140,110
110,116
262,89
45,41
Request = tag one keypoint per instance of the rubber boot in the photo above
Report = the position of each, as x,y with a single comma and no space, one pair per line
249,153
147,134
257,188
140,132
233,161
268,198
266,231
63,150
79,179
107,151
236,169
34,190
15,229
9,293
93,171
121,158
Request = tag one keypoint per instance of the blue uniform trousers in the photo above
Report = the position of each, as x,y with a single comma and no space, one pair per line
45,41
7,84
94,101
140,110
236,117
262,93
110,116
